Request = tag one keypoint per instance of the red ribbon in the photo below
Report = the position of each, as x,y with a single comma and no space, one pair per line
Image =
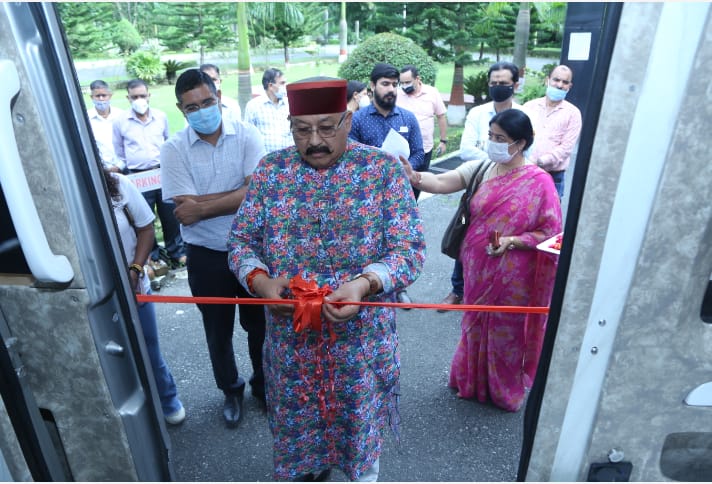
310,297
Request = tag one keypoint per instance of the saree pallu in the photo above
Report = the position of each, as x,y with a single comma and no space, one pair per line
498,353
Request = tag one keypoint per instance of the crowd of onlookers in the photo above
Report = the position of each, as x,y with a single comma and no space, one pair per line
313,189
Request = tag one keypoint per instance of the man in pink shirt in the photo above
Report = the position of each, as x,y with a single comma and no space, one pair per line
426,103
557,125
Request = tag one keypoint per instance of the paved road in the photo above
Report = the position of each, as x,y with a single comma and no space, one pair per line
443,438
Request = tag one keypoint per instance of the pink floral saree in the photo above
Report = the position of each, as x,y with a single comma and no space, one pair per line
498,353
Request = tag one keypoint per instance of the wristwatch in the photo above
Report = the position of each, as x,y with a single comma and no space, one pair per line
373,282
138,269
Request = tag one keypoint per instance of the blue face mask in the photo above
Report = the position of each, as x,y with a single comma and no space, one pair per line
101,106
206,120
555,94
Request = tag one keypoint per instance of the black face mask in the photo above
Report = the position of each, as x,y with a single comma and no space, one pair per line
408,89
501,93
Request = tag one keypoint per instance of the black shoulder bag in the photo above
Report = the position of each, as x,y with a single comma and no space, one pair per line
455,231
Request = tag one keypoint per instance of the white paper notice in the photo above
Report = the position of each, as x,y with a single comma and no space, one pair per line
579,46
396,145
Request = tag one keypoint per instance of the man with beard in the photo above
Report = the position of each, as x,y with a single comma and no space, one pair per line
371,125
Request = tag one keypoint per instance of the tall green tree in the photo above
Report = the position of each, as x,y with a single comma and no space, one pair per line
201,25
548,23
285,22
459,36
88,27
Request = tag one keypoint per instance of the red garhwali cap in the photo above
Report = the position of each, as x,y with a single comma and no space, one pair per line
317,95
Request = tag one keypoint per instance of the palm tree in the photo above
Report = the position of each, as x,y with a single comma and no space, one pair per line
342,34
244,82
521,40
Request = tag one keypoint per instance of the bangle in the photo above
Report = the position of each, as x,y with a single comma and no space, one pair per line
443,141
372,279
511,244
251,277
138,269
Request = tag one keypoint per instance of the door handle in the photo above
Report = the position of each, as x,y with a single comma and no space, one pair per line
44,264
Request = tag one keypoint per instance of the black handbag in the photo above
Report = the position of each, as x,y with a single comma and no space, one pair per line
455,231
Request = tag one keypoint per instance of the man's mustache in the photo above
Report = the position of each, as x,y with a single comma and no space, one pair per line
318,149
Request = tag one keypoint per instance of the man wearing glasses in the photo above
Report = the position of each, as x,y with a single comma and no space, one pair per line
339,215
205,170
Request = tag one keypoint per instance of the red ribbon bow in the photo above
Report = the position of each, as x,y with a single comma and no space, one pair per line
310,297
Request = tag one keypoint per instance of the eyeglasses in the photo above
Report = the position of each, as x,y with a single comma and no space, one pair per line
194,108
323,131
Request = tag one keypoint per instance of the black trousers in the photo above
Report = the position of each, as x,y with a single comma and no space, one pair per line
209,275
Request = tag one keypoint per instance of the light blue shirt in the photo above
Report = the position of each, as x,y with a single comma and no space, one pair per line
137,144
191,166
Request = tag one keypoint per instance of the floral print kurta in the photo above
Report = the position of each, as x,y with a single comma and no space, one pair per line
330,225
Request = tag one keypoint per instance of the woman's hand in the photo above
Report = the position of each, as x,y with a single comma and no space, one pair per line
413,176
505,243
350,291
268,288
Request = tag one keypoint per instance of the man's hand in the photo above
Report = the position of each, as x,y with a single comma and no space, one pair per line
187,210
268,288
350,291
442,148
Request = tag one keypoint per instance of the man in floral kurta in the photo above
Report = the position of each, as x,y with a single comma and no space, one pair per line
343,215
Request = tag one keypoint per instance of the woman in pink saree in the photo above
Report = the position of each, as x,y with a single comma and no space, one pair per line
498,353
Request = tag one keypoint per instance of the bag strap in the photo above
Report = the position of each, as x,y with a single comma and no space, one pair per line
477,178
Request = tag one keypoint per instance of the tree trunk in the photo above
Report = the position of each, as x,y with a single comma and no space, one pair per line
244,83
456,106
286,55
521,38
343,35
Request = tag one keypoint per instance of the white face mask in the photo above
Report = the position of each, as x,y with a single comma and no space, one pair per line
364,101
499,152
140,105
281,92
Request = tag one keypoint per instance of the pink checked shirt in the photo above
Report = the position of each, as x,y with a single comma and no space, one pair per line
555,133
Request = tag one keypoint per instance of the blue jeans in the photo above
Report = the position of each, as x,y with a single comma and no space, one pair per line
558,177
165,384
170,225
457,281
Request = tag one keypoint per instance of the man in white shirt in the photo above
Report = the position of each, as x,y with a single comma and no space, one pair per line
503,82
101,118
230,107
269,112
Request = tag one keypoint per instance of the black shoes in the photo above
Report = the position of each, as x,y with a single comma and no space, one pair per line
451,298
403,297
232,408
321,477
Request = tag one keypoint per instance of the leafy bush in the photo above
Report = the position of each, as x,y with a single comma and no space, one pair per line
144,65
391,48
478,87
554,52
126,37
534,86
172,67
